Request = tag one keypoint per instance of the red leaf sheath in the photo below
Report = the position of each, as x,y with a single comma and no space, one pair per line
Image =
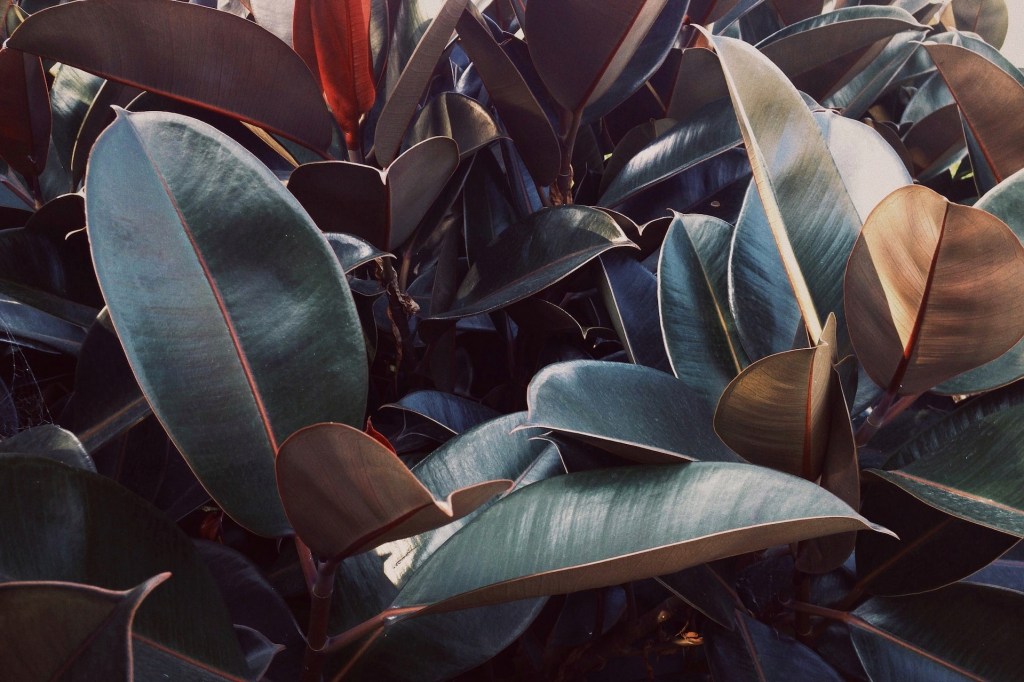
333,38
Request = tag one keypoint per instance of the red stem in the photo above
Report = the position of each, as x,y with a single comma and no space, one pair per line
320,611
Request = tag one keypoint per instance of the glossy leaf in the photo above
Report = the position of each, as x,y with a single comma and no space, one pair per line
67,629
1006,202
920,270
677,150
934,549
172,46
24,112
404,99
761,297
580,53
692,298
458,117
822,54
974,475
52,442
192,259
74,526
647,535
369,494
788,183
333,38
984,92
443,645
353,252
382,207
532,255
517,106
632,411
71,94
987,18
37,319
913,638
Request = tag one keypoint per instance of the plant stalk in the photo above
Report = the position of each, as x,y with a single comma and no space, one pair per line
320,611
562,194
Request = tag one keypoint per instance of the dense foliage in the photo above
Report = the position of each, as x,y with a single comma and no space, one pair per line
605,340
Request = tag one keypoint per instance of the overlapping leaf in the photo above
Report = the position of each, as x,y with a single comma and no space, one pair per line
346,493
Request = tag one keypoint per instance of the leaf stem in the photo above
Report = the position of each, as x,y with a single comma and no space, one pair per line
320,609
888,407
367,627
563,185
306,562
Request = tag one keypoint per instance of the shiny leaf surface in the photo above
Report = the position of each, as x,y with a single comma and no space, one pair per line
632,411
635,536
52,442
172,46
925,277
223,275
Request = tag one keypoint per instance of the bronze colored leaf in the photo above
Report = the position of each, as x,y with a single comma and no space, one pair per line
345,493
933,289
986,95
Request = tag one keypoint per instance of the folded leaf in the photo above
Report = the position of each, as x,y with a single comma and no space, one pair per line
172,48
345,493
273,340
652,520
333,38
932,289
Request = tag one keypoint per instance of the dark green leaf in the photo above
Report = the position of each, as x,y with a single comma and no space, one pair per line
25,112
65,630
914,638
253,281
987,18
633,411
630,293
532,255
755,652
74,526
49,441
456,116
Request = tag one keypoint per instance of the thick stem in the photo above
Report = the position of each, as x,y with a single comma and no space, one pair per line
400,307
367,627
320,611
306,562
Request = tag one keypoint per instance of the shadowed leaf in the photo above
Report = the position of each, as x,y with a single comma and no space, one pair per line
456,116
171,49
24,112
65,630
52,442
913,638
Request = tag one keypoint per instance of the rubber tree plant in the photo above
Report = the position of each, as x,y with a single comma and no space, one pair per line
407,340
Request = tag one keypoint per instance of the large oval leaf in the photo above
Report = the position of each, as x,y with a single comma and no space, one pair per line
633,411
273,341
932,289
171,49
532,255
579,53
74,526
793,168
536,545
913,638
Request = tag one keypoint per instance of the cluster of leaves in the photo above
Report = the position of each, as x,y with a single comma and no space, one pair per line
408,340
